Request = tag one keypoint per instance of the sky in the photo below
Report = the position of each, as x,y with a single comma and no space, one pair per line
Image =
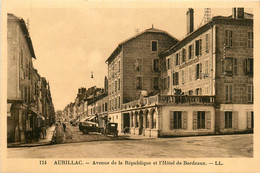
71,42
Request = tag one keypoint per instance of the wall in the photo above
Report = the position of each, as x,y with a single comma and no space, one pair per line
140,47
188,81
242,120
165,120
239,50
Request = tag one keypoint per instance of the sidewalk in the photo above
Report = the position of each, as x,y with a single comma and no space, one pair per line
41,142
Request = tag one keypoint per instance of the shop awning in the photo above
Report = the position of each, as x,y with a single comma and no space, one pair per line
91,118
84,119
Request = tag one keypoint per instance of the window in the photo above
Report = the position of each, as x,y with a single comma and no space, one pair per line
154,46
115,86
183,55
228,93
250,41
177,124
182,76
168,63
138,64
229,66
228,120
105,106
156,83
118,84
175,78
229,38
139,83
191,51
177,59
249,66
198,71
115,103
190,92
250,93
156,65
198,91
201,120
198,47
207,42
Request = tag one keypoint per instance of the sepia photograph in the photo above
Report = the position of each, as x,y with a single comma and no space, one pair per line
96,84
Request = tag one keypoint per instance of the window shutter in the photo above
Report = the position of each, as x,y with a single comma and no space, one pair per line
197,48
222,120
235,120
249,121
194,120
200,47
185,120
208,120
171,119
245,66
200,72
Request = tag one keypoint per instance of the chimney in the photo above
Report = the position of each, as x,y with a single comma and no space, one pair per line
240,13
234,13
190,21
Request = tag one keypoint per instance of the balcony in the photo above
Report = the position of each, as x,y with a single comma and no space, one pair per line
185,99
170,100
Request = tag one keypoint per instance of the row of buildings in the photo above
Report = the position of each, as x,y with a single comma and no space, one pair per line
29,101
158,85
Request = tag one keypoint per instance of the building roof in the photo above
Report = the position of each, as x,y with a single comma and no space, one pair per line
150,30
25,32
248,18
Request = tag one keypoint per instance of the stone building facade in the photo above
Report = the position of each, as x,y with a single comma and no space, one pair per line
134,66
25,89
216,60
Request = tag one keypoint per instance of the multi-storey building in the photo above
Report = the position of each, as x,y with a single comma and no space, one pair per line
19,62
25,105
206,82
216,60
134,66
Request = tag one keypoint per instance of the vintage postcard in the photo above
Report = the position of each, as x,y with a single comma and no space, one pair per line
129,86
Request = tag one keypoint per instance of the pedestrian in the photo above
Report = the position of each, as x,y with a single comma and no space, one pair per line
64,127
43,132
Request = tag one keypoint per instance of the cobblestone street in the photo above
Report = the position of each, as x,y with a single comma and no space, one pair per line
73,134
224,146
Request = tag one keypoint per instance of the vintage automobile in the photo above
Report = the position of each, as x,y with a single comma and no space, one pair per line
110,129
88,126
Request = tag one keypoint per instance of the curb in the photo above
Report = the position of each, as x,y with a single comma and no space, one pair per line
29,145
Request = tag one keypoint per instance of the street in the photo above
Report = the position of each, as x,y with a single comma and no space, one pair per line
224,146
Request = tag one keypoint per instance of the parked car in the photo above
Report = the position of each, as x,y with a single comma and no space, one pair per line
110,129
88,126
